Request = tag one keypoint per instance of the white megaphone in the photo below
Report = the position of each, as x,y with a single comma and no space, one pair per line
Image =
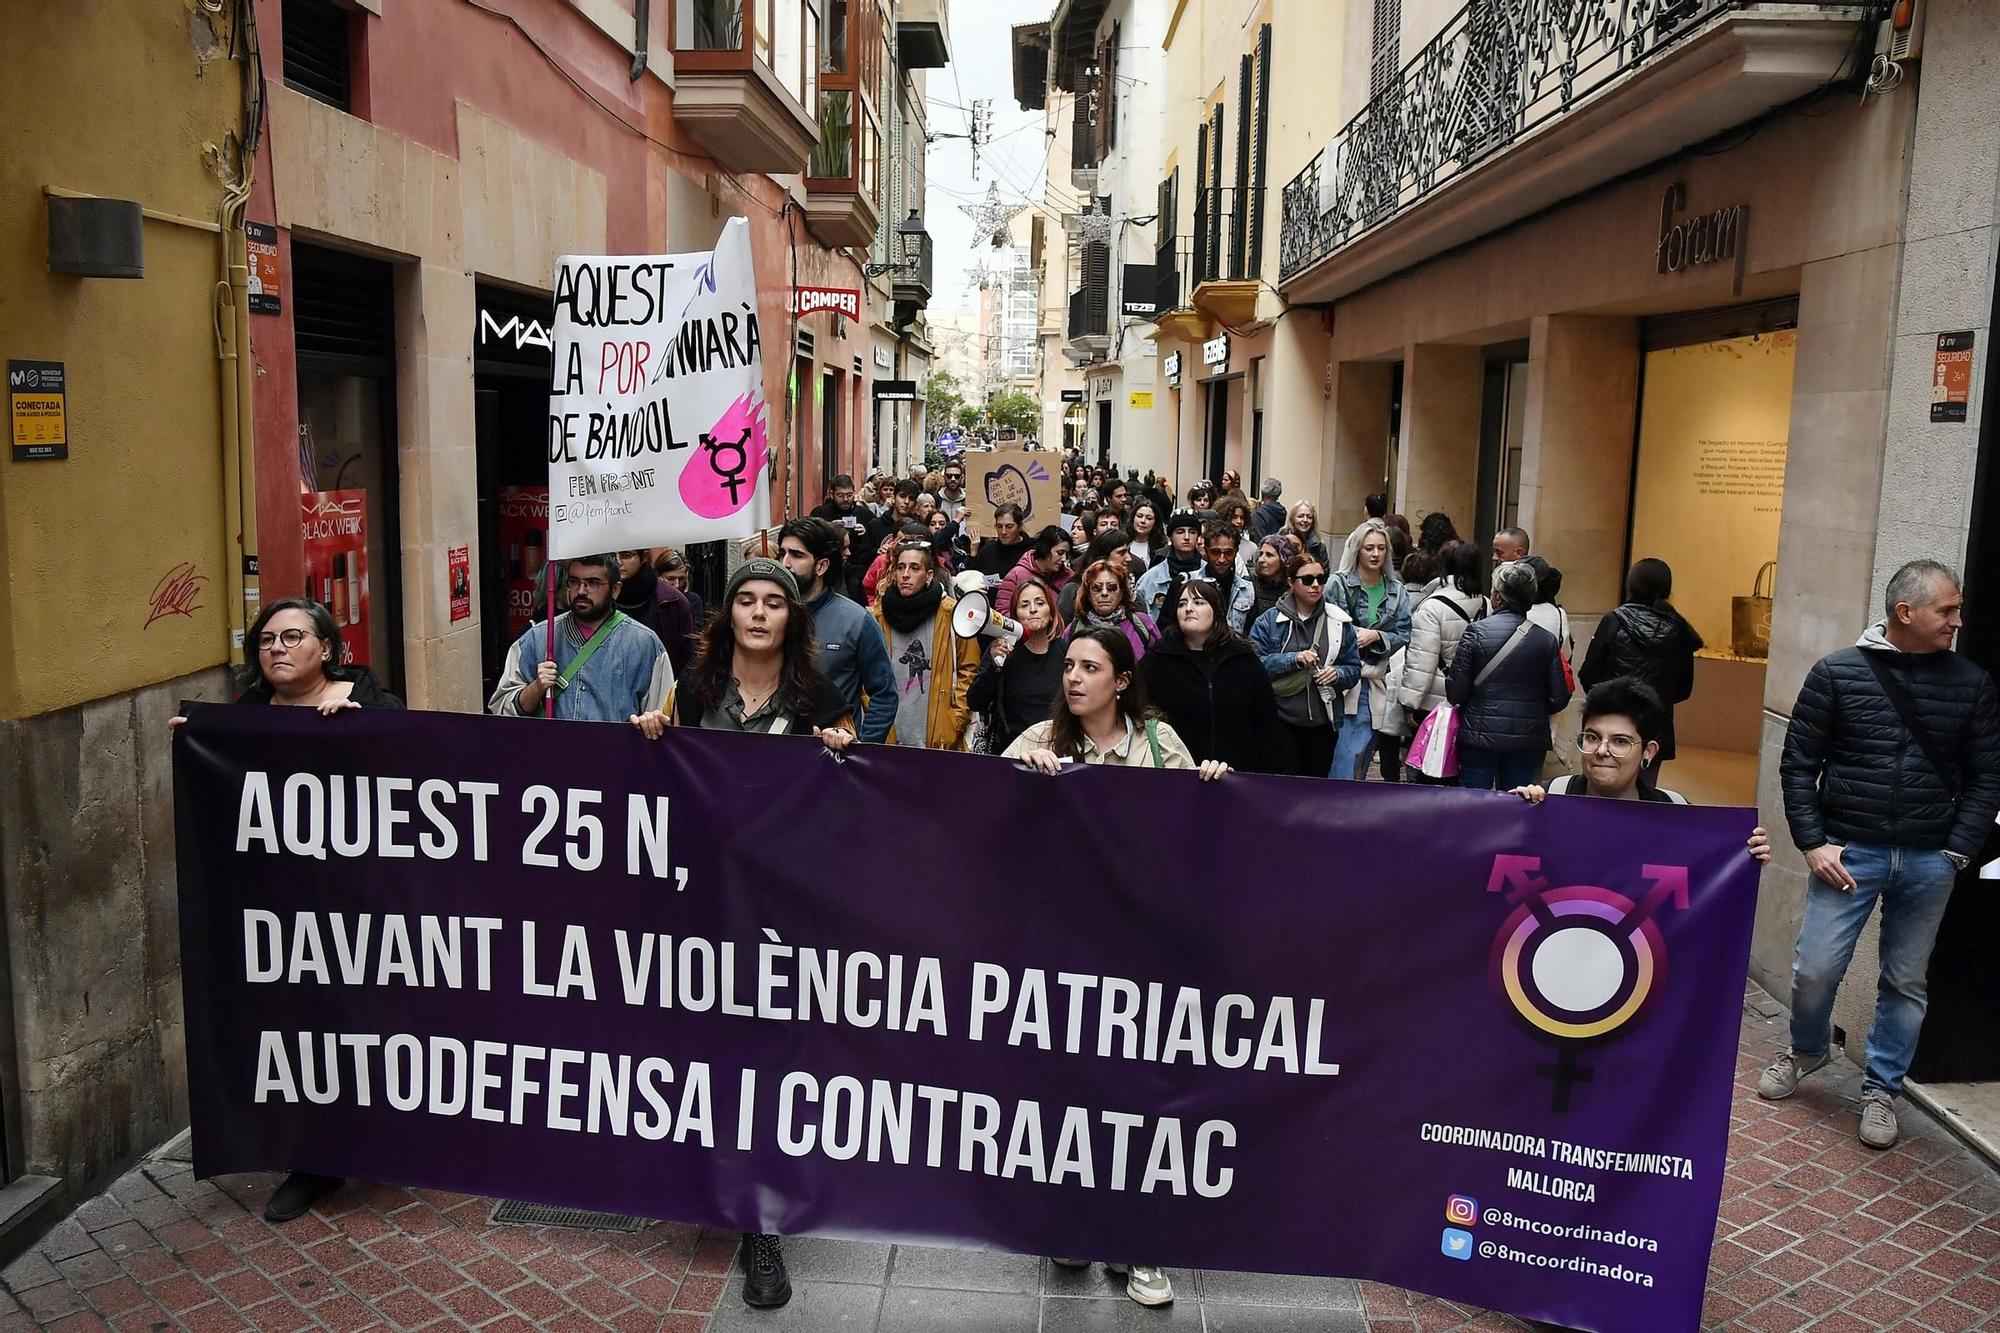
975,617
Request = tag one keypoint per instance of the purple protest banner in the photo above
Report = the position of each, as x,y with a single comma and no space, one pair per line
1435,1038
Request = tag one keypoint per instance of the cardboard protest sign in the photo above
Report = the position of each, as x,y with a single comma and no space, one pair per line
658,428
1010,476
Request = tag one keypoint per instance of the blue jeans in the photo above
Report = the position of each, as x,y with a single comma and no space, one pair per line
1497,770
1913,886
1356,746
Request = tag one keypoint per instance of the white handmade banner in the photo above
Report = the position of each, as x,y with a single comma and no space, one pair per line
658,429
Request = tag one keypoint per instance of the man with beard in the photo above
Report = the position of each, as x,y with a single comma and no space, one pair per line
850,648
607,666
1160,586
1219,543
658,605
952,497
934,668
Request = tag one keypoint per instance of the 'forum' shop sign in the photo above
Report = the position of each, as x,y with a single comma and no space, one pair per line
1705,238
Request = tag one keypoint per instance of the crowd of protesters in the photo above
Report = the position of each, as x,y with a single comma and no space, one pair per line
1205,631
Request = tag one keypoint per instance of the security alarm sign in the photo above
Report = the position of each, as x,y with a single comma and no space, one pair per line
1951,376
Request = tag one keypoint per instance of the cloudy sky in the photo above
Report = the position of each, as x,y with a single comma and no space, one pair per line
1015,156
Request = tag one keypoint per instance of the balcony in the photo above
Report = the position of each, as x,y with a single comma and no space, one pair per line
1519,104
1225,288
743,81
920,35
840,179
1088,332
1173,293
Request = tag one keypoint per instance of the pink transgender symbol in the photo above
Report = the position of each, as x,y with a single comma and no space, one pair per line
727,466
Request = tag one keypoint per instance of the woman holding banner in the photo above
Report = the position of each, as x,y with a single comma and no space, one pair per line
296,663
755,672
1623,720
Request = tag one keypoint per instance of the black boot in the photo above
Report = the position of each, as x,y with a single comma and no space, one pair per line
296,1194
766,1285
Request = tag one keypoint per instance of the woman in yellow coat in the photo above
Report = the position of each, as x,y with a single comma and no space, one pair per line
934,667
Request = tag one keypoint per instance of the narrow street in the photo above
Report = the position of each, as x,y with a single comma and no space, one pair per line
1816,1232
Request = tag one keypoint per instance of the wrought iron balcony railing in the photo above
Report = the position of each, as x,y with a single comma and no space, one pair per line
1220,241
1172,262
1498,70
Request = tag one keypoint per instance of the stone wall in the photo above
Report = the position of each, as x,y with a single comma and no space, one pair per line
98,1071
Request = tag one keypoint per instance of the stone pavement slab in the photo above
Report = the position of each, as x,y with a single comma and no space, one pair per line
1815,1232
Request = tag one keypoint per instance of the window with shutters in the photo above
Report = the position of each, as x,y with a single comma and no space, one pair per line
1385,46
1253,205
319,61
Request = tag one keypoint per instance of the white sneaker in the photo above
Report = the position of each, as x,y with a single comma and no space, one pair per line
1148,1285
1878,1120
1781,1080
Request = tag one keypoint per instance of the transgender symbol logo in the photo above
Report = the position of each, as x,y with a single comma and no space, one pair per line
1578,964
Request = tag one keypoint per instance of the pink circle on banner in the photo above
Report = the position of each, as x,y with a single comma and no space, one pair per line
727,465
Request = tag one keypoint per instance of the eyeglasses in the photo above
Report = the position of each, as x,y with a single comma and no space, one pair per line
1620,746
291,638
591,585
1310,580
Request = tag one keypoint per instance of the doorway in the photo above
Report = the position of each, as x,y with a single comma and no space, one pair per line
1216,429
1104,433
829,432
1958,1053
345,320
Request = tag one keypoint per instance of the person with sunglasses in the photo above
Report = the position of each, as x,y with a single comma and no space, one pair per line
607,666
1308,650
1623,720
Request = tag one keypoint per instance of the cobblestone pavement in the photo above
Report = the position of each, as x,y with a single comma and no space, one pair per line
1815,1232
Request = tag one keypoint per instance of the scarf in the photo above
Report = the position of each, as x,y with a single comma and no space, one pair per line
906,613
1089,619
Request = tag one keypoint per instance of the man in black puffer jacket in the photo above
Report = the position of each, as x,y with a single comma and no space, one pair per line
1878,816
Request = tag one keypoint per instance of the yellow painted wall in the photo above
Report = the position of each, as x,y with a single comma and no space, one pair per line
1713,432
1207,42
113,100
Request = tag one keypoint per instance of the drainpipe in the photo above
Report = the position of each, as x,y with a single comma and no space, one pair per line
232,349
642,15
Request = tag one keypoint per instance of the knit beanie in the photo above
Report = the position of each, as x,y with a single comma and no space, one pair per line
763,567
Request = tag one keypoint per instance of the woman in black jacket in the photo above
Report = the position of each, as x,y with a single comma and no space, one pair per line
1212,688
1017,684
1646,639
293,659
1506,681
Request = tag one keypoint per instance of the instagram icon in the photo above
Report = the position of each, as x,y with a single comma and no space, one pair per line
1461,1210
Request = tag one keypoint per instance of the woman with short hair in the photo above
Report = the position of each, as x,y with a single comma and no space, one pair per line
294,660
1507,682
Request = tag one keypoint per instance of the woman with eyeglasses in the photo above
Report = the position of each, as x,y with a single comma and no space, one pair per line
1623,719
1308,650
295,662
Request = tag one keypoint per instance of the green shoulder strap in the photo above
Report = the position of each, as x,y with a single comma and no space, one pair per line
589,650
1153,739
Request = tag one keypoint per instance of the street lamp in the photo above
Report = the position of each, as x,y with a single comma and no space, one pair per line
906,232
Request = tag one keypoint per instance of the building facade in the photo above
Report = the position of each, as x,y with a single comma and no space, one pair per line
1671,288
281,302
